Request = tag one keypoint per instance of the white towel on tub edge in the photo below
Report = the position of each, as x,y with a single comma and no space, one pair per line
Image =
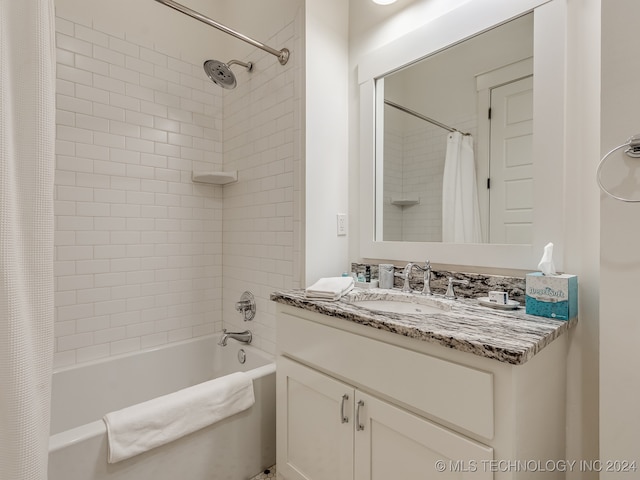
141,427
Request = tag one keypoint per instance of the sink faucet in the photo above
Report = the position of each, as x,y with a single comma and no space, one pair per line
450,291
244,337
405,275
426,289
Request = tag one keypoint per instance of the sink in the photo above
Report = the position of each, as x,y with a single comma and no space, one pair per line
402,304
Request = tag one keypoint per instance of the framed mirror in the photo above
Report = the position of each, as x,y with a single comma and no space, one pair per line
422,94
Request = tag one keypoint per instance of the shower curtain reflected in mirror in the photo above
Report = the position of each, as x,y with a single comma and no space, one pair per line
460,208
27,146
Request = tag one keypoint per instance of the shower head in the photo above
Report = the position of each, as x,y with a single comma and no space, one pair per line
220,73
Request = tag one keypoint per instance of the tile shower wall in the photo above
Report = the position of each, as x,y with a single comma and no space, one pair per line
415,171
262,233
137,244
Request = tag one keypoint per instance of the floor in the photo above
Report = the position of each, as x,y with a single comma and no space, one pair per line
268,473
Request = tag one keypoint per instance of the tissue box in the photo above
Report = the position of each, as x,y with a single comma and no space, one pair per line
553,296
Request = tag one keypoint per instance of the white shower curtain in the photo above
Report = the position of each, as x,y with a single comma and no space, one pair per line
27,141
460,208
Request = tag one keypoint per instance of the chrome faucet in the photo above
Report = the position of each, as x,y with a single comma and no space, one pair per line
405,275
244,337
450,291
426,289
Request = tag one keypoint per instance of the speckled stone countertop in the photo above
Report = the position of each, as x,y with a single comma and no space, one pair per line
509,336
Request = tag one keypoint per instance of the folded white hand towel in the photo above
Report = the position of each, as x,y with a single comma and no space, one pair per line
331,288
147,425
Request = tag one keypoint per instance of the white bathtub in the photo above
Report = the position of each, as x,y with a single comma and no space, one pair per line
236,448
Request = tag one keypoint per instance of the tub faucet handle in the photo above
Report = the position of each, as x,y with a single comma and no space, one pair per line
247,306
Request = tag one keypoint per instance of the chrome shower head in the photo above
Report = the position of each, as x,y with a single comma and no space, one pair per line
220,73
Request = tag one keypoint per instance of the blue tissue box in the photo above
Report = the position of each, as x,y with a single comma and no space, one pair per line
552,296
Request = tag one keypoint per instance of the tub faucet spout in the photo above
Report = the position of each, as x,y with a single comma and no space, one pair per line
244,337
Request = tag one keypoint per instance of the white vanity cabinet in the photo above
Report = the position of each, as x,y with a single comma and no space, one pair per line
355,402
333,431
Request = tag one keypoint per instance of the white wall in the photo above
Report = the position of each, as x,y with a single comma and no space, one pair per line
620,236
583,227
326,136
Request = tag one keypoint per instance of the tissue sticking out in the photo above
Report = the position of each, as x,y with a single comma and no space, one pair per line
546,265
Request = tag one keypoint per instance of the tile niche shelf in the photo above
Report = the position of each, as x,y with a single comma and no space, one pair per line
214,178
403,202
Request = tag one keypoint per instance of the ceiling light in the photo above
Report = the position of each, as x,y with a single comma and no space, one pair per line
384,2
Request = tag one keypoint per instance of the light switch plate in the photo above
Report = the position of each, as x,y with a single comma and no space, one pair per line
342,224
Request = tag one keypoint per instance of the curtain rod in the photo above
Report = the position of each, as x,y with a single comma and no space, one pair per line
283,55
423,117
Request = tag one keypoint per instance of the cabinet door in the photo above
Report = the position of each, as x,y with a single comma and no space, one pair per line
393,443
314,424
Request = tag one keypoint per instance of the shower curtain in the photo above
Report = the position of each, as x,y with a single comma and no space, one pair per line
27,140
460,208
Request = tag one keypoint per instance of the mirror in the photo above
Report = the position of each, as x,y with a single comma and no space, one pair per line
453,90
546,187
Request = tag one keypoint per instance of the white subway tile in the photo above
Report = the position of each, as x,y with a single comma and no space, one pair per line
122,101
89,296
139,145
109,307
153,135
154,340
91,65
123,46
137,118
154,109
109,112
91,353
64,359
109,223
109,196
65,57
138,65
110,56
74,75
91,238
123,129
74,312
112,334
109,279
92,36
109,84
72,342
71,44
140,92
72,253
125,346
92,266
64,26
108,140
158,161
153,57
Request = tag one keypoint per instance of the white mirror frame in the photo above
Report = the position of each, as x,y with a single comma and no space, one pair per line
468,20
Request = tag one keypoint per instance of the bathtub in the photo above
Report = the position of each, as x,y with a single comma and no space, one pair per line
236,448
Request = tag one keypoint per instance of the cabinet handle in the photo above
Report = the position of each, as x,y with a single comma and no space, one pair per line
343,417
359,426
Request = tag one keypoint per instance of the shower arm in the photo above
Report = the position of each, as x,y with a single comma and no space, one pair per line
283,55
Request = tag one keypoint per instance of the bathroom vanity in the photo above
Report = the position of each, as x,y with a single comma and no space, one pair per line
465,392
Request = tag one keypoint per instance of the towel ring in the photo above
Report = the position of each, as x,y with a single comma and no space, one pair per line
633,151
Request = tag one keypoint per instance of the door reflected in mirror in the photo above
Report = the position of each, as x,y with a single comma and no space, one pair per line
454,140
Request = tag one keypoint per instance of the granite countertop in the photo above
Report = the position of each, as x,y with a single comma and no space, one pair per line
509,336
